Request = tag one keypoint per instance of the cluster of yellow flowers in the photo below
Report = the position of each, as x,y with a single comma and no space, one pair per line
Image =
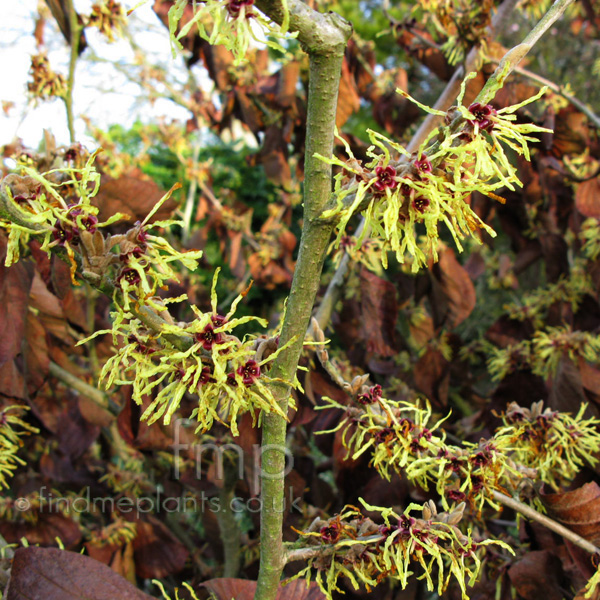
404,195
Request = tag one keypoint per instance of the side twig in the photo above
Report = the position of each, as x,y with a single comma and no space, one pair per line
534,515
558,89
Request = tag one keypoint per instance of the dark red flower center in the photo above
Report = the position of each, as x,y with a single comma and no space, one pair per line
421,204
71,154
330,533
136,252
483,114
131,276
405,524
142,347
218,320
423,165
89,223
365,399
208,337
371,396
249,372
456,495
385,179
62,235
234,7
384,435
476,482
415,446
206,376
455,464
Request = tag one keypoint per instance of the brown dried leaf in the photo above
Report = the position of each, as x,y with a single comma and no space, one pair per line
392,111
44,531
60,282
132,195
429,56
379,311
48,310
138,433
587,198
157,551
287,83
457,298
590,377
566,388
250,113
432,376
12,383
35,353
15,283
348,98
268,276
579,510
571,133
537,575
361,62
236,256
54,574
118,558
273,156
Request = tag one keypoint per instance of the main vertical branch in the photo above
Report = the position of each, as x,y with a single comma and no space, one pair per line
324,37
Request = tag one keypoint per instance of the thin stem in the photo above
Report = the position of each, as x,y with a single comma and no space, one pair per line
518,506
332,294
85,389
228,524
558,89
189,203
471,63
75,36
145,314
305,554
534,515
514,56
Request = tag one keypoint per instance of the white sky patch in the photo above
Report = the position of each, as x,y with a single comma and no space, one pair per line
103,93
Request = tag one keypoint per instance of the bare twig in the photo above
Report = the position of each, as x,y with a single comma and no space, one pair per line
191,196
326,549
471,63
558,89
514,56
332,294
85,389
534,515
